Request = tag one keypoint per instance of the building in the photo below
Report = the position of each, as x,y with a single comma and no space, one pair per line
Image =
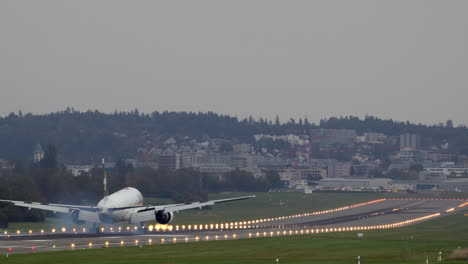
410,155
169,161
439,156
361,170
242,148
217,169
354,184
445,172
239,161
338,169
374,137
456,185
78,170
38,153
325,138
410,142
311,174
291,139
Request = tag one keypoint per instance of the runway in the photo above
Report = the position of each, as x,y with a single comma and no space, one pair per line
378,214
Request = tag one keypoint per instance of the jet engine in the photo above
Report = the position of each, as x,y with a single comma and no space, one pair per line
164,217
75,214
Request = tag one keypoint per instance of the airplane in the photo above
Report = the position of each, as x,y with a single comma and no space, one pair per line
124,205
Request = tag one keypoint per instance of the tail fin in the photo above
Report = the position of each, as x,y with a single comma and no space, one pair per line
106,192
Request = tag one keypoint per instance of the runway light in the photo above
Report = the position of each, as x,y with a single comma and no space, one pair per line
64,230
150,241
162,240
174,240
122,243
30,231
90,244
106,244
186,239
136,241
450,210
10,249
72,245
53,230
150,228
18,232
33,248
225,236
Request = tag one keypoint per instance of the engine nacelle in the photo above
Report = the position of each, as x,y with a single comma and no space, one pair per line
75,217
164,218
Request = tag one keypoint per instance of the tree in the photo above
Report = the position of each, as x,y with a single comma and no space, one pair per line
225,147
449,124
273,179
50,158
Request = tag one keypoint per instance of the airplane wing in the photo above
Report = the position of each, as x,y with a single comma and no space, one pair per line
181,206
78,212
62,208
147,213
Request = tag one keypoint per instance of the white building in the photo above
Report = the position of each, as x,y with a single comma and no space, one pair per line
38,153
444,172
354,184
78,170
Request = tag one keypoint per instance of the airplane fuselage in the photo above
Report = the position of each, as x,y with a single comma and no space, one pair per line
127,197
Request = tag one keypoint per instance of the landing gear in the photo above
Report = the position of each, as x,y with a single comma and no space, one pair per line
93,229
141,229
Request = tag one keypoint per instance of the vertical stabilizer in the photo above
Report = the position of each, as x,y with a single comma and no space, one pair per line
106,192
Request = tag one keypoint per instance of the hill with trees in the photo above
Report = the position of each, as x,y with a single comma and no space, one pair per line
87,136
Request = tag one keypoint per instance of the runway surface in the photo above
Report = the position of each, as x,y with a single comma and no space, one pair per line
378,214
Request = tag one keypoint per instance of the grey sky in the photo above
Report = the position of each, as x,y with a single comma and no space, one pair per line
406,60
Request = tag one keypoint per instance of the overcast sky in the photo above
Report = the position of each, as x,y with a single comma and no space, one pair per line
406,60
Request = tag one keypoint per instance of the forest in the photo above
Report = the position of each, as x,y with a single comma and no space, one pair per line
88,136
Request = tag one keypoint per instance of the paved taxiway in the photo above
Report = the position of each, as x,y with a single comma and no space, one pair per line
381,214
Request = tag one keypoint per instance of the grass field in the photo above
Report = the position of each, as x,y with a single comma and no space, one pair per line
404,245
264,205
269,205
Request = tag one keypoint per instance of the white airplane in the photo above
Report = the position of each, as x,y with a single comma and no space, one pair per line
124,205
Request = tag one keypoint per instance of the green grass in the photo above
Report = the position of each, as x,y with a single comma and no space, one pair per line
379,246
266,205
263,206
